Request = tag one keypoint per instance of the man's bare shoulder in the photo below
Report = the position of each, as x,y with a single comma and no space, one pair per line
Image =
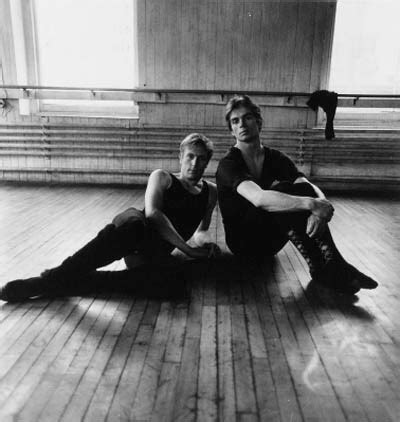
160,177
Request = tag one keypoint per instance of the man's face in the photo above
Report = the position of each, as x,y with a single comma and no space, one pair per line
245,127
193,160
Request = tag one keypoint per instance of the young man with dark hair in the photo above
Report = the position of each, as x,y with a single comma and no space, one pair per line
265,201
177,208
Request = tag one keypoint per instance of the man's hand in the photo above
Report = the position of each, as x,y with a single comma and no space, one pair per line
316,226
322,209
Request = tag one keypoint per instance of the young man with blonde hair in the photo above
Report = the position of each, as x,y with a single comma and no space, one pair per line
177,208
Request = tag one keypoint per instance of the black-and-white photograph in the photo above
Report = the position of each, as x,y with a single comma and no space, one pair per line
199,213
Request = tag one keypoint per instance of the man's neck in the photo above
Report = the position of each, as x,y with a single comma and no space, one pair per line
191,185
250,149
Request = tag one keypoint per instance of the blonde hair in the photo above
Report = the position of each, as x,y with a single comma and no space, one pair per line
198,139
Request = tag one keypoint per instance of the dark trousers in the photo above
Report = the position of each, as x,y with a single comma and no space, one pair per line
126,235
264,233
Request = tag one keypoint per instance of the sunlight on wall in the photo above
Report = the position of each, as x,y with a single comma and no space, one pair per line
366,47
87,43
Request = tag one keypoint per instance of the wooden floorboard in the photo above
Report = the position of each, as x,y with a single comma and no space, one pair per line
253,341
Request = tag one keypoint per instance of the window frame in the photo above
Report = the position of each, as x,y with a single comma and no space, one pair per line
27,65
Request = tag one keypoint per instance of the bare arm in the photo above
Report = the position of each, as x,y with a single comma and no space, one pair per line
316,225
159,182
202,235
273,201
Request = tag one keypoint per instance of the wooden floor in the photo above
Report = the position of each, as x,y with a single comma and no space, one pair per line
253,341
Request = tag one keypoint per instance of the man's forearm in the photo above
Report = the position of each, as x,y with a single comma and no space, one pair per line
273,201
167,231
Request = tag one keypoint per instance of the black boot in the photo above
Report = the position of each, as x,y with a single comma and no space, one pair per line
325,263
309,251
23,289
338,270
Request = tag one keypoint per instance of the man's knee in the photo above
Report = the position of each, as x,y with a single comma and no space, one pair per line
129,215
304,189
135,260
130,227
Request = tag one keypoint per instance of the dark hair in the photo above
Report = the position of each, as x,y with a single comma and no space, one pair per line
198,139
242,101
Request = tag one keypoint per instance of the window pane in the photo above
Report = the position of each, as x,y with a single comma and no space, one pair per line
366,48
85,43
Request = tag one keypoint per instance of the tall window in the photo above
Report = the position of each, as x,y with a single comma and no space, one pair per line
81,43
366,47
85,43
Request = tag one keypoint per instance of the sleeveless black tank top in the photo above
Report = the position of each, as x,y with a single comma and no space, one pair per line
185,211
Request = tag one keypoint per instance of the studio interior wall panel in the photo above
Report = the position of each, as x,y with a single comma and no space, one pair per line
230,45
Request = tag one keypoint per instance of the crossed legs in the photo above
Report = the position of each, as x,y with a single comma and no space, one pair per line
327,266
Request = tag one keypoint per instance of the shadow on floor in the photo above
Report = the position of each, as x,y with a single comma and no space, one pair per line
323,298
222,280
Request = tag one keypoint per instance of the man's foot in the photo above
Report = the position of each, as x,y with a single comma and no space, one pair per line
363,280
336,277
23,289
3,295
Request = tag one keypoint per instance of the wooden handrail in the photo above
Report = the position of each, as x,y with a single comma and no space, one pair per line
153,95
188,91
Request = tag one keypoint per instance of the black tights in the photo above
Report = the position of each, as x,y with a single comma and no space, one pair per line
126,235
